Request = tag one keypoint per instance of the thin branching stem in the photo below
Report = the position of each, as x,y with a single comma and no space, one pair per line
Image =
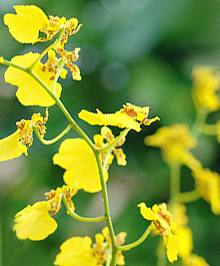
81,218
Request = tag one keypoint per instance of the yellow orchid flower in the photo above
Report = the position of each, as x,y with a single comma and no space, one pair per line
175,142
35,222
130,116
18,143
30,20
30,92
206,85
163,224
76,251
80,250
208,185
78,159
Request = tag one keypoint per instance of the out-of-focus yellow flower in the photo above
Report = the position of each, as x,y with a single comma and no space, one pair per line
35,222
18,143
30,92
186,245
195,260
164,225
208,185
206,85
30,20
175,142
76,251
78,159
107,134
130,116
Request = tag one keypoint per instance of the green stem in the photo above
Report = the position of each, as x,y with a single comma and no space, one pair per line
64,110
137,242
80,218
106,207
174,181
209,129
116,140
186,197
200,120
54,140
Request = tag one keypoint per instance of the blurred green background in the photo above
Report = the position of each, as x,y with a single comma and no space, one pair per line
142,52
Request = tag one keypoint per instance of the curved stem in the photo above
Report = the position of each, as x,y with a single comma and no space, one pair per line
186,197
81,218
137,242
54,140
209,129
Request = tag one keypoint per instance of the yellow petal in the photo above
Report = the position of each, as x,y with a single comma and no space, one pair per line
78,159
172,247
76,251
146,212
26,24
30,92
118,119
11,148
34,222
186,246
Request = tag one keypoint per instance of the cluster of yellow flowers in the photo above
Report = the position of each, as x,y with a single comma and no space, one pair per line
86,163
175,142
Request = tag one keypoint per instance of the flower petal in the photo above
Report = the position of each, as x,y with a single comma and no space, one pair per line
118,119
76,251
146,212
172,247
34,222
30,92
26,24
80,163
11,148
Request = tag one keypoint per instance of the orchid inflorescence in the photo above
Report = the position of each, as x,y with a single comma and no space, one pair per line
86,162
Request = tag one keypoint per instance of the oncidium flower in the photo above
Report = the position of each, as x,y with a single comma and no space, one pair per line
130,116
35,222
106,134
175,142
18,143
80,250
206,85
163,224
76,251
30,92
30,20
208,185
78,159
